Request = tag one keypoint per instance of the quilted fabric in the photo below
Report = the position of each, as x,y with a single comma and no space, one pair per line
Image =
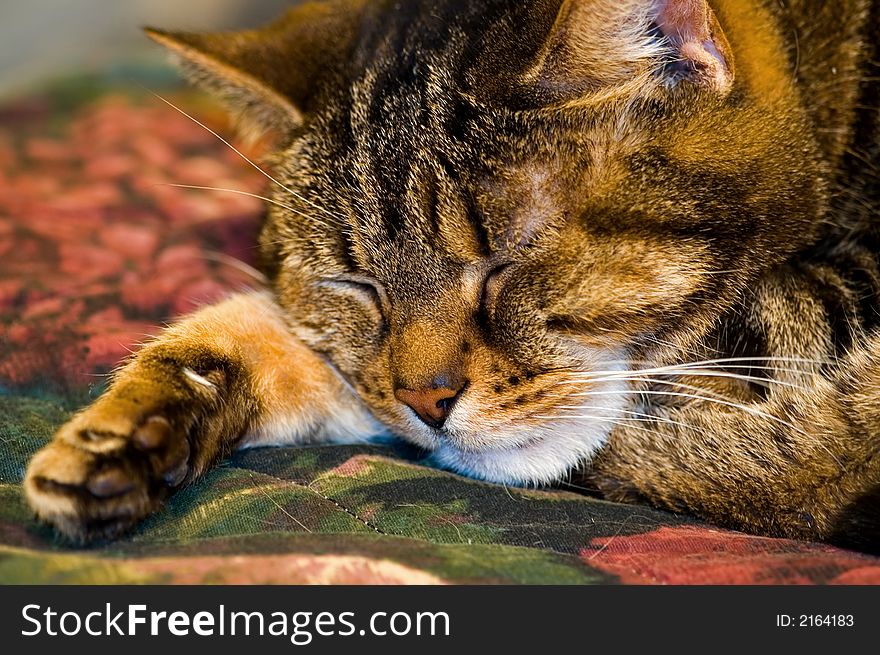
97,251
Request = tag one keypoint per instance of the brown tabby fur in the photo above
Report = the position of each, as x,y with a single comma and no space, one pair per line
507,199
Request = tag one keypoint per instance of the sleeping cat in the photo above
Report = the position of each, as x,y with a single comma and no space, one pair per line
628,245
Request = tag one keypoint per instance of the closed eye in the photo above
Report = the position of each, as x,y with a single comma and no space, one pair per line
493,284
370,289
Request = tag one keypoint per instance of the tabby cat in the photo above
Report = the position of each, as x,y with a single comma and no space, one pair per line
626,244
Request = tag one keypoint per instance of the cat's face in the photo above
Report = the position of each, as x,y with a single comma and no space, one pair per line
483,261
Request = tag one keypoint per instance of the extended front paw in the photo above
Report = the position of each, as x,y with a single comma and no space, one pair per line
106,470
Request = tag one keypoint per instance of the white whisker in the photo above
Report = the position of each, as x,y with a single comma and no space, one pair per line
246,158
639,416
726,403
640,376
756,362
235,191
237,264
600,419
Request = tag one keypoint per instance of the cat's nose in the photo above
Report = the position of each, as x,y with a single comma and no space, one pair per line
433,403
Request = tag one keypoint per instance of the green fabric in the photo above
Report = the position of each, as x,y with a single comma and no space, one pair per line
351,501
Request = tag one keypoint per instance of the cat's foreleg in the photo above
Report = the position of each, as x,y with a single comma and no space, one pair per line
227,376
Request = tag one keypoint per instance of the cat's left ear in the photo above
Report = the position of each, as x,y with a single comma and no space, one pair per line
600,44
267,77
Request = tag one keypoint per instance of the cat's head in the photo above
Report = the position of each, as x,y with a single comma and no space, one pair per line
487,212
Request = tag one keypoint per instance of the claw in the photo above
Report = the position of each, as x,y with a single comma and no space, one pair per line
153,434
173,477
176,464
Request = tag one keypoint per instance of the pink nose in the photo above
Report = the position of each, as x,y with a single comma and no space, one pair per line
432,404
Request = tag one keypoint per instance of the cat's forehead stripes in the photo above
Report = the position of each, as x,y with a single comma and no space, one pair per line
413,180
431,164
465,192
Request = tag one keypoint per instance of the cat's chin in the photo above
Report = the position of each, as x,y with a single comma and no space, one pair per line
549,454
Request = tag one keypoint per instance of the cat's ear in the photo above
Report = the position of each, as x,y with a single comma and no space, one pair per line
601,44
266,77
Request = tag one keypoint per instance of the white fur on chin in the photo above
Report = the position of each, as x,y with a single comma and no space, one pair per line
543,454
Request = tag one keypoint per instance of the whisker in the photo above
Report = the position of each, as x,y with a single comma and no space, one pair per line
764,382
237,264
601,419
675,394
591,416
571,485
640,376
734,360
235,191
244,157
640,416
716,367
776,369
682,385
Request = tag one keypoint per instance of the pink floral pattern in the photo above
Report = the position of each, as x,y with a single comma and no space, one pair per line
97,251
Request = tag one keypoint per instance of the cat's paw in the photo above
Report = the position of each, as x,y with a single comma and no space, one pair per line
107,469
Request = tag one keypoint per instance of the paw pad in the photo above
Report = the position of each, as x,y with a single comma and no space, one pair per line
109,484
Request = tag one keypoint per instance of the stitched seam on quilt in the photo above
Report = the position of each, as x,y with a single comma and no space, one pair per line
340,506
303,485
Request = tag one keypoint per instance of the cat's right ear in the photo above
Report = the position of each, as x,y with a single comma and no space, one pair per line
266,77
598,46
